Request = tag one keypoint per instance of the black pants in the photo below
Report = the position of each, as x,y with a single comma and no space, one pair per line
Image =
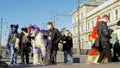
52,55
105,51
116,56
25,52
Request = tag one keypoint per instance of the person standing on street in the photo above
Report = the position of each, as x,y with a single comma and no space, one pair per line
12,38
53,38
67,47
104,36
25,45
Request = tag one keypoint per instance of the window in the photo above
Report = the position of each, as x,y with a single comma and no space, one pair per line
74,20
82,28
73,31
88,26
92,23
81,15
116,14
76,29
109,17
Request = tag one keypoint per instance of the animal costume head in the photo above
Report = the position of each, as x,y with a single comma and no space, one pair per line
28,28
14,28
34,30
24,29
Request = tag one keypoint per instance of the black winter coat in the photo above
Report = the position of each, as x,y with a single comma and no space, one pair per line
69,43
104,33
53,38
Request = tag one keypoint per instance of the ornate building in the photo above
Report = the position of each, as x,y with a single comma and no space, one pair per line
88,13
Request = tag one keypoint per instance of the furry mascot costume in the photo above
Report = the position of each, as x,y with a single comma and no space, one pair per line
13,43
39,44
25,45
92,37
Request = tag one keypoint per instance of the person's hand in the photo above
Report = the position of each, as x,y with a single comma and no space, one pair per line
64,42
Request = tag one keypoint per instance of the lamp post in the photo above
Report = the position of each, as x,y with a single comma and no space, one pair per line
54,17
78,10
1,32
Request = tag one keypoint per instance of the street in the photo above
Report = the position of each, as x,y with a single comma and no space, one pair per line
83,64
77,65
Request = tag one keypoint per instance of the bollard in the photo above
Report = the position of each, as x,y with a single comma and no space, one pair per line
4,53
0,57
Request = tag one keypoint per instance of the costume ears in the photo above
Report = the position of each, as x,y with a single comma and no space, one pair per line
16,26
11,26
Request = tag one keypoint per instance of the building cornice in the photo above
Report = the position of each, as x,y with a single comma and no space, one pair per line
86,4
100,7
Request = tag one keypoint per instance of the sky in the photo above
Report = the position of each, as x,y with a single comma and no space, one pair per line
39,12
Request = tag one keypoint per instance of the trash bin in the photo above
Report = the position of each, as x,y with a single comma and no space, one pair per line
76,60
3,64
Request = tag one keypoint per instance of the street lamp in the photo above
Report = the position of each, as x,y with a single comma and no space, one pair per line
78,9
1,32
54,17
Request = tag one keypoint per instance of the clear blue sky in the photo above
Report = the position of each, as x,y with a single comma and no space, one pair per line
37,12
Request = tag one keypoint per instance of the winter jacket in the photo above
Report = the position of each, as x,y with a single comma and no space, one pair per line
53,38
69,43
104,33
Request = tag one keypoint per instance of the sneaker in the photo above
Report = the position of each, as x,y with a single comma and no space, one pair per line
44,63
11,63
15,62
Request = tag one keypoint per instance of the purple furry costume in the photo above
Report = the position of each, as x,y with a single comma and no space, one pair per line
39,38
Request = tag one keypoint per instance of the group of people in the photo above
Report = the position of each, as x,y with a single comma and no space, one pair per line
42,43
101,35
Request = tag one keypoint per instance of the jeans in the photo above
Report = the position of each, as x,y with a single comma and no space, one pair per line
13,54
52,55
66,53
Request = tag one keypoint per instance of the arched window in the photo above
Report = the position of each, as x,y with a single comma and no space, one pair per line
82,28
88,26
92,23
109,17
116,14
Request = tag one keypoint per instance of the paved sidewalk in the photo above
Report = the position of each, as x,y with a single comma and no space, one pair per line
60,65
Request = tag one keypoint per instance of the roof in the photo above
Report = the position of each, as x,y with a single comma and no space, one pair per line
86,4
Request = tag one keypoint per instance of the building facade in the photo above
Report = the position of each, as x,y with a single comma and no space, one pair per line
88,13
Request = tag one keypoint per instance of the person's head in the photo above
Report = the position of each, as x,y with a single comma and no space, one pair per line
105,18
14,28
49,25
24,30
66,33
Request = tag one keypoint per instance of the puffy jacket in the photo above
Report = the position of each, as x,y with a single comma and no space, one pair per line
104,33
